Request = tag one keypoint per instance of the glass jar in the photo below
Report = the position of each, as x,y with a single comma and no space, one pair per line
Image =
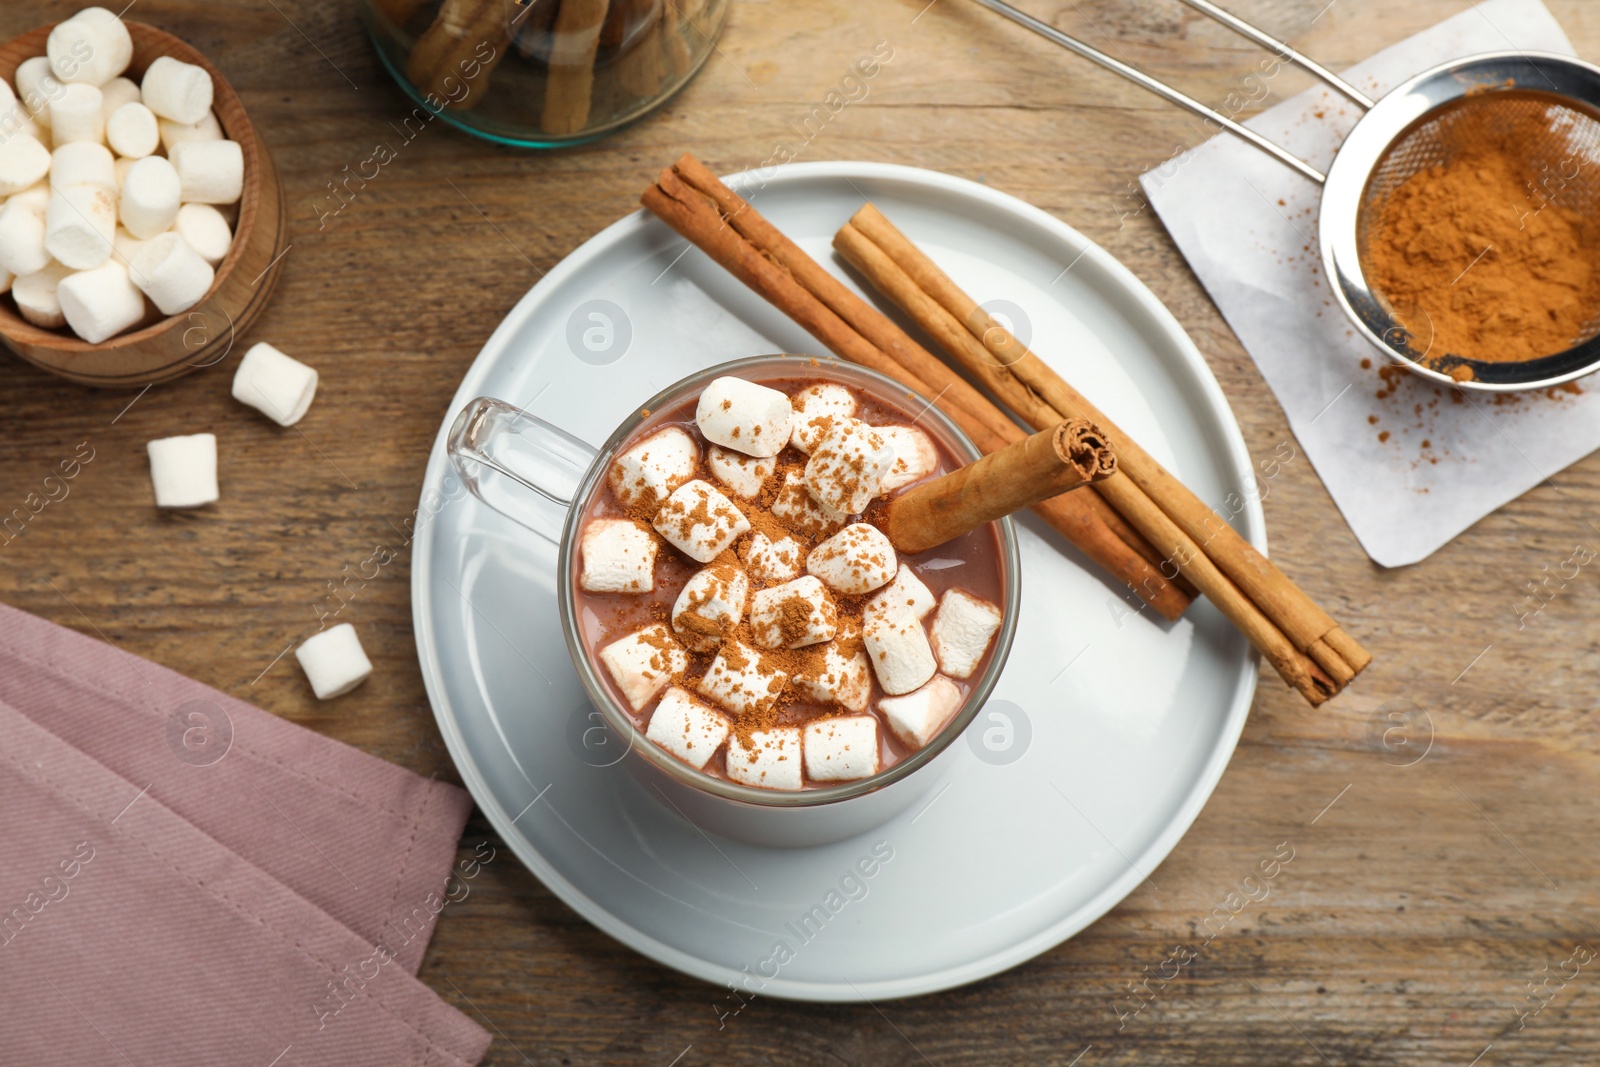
543,73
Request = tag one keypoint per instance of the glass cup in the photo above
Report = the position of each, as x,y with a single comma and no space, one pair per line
541,73
544,478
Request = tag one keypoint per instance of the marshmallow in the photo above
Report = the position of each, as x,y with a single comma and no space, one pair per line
174,133
171,273
82,163
333,661
793,615
90,48
132,131
23,162
119,170
699,521
6,278
898,650
619,556
100,303
906,595
832,677
184,471
176,90
22,248
770,759
962,631
207,232
710,606
645,474
79,225
816,409
643,663
916,717
36,87
857,559
744,416
38,295
124,246
212,172
740,680
37,195
915,457
847,466
115,93
16,122
842,749
795,507
151,196
773,561
278,386
743,475
76,115
688,729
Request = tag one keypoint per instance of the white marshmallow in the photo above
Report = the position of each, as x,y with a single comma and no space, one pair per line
915,457
771,759
119,169
175,133
688,729
842,749
151,197
38,296
334,661
184,470
100,303
36,87
857,559
816,409
645,474
82,163
962,631
22,248
710,606
171,273
793,615
16,122
744,416
773,561
36,195
124,246
207,232
176,90
743,475
643,663
906,595
699,521
847,466
115,93
917,717
899,652
796,508
832,677
212,172
79,226
90,48
77,115
278,386
740,680
619,556
132,131
23,162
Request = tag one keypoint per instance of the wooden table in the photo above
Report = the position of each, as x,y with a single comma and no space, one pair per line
1422,900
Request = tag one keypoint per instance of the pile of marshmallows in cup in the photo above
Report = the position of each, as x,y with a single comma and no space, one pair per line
89,233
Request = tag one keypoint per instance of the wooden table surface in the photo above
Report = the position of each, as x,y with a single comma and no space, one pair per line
1424,901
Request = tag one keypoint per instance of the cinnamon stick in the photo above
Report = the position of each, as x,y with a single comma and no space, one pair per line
453,44
1046,464
575,38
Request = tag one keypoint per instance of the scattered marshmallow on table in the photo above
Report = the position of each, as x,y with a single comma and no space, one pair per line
619,556
793,615
816,408
334,661
177,90
171,273
83,164
773,561
771,759
847,466
174,133
643,663
212,172
740,680
100,303
207,232
744,416
915,457
90,48
38,296
645,474
699,521
916,717
184,470
962,631
132,132
745,476
80,224
687,728
857,559
710,605
833,677
797,509
899,652
906,595
842,749
23,162
77,115
151,197
22,248
277,385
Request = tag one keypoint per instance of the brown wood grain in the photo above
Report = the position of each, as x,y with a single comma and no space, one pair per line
1419,904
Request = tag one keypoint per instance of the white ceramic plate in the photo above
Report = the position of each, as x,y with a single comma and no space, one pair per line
1104,738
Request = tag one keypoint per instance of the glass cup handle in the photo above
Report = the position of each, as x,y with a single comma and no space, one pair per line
518,464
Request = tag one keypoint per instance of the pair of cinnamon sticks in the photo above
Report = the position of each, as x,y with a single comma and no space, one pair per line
1141,524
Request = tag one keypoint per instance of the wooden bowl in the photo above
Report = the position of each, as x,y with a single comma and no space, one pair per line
204,334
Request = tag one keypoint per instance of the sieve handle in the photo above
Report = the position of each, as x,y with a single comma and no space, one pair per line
1161,89
1283,50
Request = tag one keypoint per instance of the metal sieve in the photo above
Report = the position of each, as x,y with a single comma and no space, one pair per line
1405,132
